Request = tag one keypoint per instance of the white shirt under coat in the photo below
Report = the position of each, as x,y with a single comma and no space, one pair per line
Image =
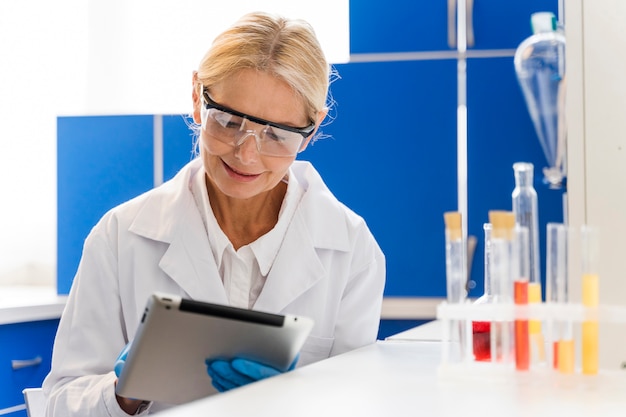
328,267
245,270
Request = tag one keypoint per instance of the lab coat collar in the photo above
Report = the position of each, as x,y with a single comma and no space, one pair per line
171,216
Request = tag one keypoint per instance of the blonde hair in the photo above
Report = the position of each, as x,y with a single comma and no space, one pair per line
285,48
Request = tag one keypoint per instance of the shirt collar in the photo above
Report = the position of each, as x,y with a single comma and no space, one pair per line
266,247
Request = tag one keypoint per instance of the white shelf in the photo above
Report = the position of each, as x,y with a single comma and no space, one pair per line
26,303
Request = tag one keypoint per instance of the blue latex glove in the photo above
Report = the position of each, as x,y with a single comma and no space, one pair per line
121,360
226,375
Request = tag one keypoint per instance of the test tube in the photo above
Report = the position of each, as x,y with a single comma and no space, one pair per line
521,274
561,334
456,271
590,296
524,199
456,258
481,329
503,223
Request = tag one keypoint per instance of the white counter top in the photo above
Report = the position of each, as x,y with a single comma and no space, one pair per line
402,378
30,303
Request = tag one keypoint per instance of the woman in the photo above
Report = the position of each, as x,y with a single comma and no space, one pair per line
244,224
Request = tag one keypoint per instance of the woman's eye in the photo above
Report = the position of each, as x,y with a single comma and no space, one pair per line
272,134
227,121
232,125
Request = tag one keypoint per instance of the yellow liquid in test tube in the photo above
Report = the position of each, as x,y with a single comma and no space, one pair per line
590,328
534,326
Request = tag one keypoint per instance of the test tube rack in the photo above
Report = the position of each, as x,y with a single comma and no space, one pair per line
457,358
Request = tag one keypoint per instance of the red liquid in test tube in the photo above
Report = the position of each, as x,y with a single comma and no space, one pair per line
482,340
522,342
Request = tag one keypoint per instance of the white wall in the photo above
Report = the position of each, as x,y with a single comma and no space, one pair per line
142,52
596,110
73,57
39,52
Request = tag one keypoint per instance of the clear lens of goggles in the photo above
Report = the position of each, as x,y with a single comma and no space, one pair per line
235,130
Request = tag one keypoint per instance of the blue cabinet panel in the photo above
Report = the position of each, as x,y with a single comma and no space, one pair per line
391,157
24,341
390,327
500,133
422,25
504,24
178,141
398,26
102,161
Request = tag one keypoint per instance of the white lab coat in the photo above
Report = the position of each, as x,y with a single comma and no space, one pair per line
329,268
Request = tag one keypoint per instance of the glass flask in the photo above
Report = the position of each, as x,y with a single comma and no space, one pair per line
524,199
540,68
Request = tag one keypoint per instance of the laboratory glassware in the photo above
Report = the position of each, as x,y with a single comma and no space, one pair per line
520,263
456,258
501,262
590,297
456,273
560,332
540,68
481,329
525,207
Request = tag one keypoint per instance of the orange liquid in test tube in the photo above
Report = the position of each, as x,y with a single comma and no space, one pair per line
555,354
522,348
565,356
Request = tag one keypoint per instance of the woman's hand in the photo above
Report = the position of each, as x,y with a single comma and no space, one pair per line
129,405
226,375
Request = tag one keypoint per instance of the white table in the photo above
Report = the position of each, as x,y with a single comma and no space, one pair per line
401,378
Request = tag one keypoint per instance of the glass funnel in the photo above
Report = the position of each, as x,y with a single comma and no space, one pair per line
540,68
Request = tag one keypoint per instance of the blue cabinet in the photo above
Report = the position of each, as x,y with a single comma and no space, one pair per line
101,162
391,157
25,355
104,161
499,134
422,25
398,26
499,131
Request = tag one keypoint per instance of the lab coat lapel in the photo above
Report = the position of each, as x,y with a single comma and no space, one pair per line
295,270
171,217
298,266
189,261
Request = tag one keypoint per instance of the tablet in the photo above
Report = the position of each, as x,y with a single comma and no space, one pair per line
166,361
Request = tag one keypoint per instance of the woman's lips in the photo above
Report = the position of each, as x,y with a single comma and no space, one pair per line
238,175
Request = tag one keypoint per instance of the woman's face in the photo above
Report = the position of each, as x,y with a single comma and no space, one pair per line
241,171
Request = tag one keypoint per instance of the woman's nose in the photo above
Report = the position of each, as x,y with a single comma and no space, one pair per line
248,150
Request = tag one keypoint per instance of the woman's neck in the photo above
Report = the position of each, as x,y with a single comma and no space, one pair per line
245,220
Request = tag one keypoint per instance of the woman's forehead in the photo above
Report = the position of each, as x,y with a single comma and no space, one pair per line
263,95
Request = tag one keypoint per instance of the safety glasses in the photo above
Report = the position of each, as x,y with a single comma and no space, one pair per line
233,128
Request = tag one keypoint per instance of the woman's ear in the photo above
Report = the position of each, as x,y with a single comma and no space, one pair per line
195,97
